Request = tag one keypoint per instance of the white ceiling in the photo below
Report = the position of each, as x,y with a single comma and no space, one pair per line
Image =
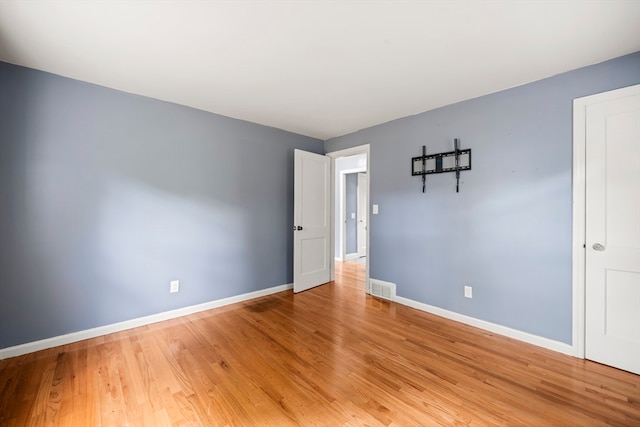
318,68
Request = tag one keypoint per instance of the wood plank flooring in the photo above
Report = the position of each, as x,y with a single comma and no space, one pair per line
330,356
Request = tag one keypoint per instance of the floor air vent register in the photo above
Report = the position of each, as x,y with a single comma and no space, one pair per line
382,289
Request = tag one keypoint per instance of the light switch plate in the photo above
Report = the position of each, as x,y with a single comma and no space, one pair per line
375,209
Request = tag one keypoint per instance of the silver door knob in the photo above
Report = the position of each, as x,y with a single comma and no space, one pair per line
598,247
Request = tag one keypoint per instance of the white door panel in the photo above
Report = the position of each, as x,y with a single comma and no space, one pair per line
363,213
612,273
312,221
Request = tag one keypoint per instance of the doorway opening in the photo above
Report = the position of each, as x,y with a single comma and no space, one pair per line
350,211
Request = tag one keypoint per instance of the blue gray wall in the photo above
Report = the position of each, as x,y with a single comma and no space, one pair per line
351,194
107,196
508,232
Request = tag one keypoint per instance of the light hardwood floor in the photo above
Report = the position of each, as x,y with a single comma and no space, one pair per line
329,356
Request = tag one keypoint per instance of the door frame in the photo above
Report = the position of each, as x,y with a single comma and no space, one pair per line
579,209
361,149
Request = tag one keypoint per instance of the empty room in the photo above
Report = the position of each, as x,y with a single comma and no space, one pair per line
331,213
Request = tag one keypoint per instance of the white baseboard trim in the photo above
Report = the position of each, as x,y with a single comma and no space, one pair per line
31,347
350,257
547,343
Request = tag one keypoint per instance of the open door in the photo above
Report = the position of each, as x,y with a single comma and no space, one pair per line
362,214
312,220
612,273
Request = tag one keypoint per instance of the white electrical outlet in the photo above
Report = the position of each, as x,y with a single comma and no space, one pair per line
175,286
468,292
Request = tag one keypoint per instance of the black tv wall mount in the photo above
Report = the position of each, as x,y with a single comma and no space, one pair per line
450,161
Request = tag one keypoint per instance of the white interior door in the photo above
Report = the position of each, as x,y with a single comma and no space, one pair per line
612,268
312,220
362,219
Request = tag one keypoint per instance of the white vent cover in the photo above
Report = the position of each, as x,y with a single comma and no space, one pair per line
381,289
